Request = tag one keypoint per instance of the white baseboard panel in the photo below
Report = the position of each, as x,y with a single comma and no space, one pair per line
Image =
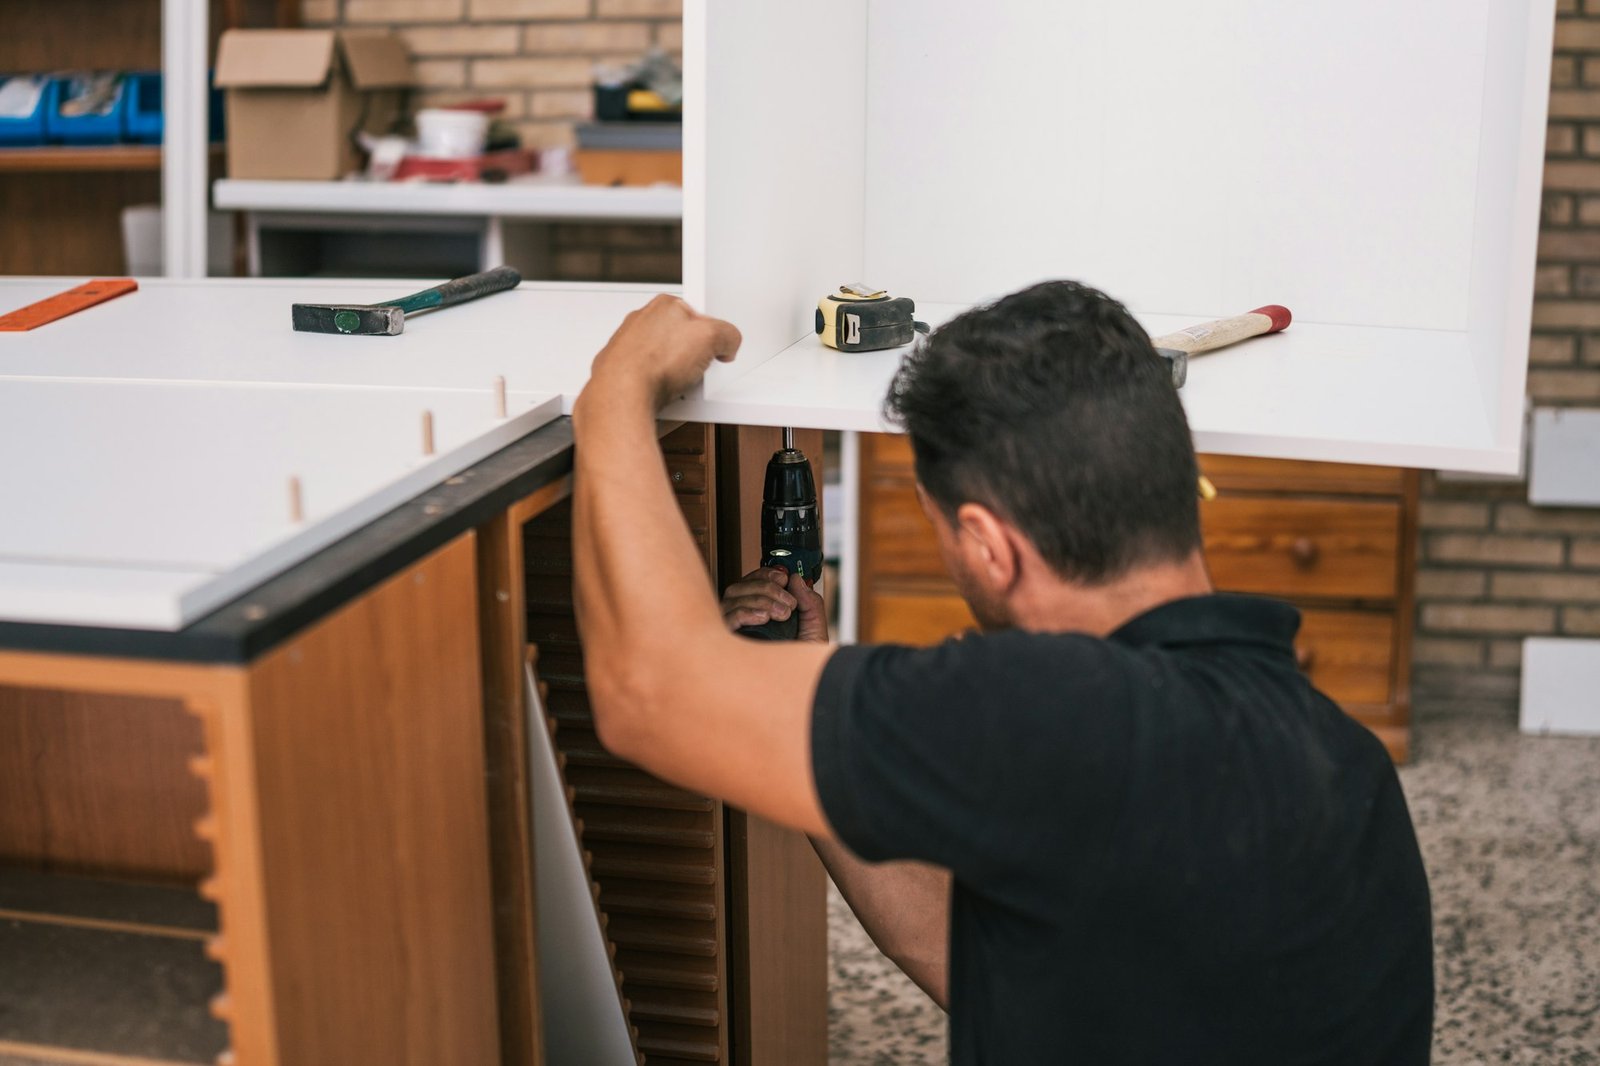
1561,686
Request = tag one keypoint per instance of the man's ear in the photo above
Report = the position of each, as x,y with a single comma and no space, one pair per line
989,546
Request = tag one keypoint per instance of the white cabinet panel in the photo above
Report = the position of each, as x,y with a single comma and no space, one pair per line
1374,166
179,494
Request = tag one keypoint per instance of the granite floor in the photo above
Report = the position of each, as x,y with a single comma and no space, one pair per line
1510,831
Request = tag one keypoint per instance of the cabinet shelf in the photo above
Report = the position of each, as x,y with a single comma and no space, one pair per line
120,157
105,971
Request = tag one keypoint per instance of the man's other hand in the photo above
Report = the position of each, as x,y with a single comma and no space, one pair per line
769,593
663,348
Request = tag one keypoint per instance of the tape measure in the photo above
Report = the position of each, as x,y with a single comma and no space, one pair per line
861,318
66,303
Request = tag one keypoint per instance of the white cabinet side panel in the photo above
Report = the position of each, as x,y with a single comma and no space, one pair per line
191,478
1510,183
581,1006
773,164
33,591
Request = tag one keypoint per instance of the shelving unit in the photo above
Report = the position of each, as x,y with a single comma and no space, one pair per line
63,204
59,158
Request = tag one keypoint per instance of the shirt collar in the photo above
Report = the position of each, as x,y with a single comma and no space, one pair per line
1218,618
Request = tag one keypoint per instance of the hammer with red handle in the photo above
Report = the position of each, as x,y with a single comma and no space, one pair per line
1176,348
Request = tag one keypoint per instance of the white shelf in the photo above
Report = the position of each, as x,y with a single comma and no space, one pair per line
1312,392
520,199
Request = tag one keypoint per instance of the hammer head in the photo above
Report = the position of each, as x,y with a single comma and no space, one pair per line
365,320
1178,361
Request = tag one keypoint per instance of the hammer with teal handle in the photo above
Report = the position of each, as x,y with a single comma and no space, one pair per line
389,319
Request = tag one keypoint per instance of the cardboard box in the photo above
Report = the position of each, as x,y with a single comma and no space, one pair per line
296,98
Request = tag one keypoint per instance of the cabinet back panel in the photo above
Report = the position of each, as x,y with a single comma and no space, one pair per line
100,785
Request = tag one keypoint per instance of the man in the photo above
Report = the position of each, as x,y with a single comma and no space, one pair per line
1162,844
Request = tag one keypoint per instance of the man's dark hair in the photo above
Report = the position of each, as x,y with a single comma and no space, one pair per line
1051,408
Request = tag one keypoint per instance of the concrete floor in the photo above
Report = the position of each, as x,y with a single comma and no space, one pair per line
1510,831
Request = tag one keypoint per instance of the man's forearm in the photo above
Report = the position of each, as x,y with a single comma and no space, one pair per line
905,909
639,575
671,689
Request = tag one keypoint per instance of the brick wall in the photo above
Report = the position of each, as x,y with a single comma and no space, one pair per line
539,56
1493,569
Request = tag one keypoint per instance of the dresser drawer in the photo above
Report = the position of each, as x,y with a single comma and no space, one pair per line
916,617
1349,655
1338,549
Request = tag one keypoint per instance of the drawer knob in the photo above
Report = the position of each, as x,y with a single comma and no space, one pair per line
1304,551
1303,657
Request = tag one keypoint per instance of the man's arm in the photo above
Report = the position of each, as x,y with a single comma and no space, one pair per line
903,906
672,690
905,909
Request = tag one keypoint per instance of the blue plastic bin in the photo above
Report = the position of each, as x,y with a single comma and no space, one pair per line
24,129
144,120
103,127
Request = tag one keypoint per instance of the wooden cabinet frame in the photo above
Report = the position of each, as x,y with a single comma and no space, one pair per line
365,825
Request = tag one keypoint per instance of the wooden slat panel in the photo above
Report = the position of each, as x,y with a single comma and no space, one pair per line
653,851
97,784
1287,547
369,760
1242,474
1349,655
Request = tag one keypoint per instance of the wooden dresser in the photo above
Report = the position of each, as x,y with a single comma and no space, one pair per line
1336,540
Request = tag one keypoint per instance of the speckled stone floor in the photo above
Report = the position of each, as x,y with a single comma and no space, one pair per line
1510,831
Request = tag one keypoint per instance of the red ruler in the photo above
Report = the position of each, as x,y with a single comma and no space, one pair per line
66,303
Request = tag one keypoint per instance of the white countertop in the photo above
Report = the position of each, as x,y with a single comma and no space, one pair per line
538,198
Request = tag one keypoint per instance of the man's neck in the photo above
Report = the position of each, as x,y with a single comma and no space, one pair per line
1100,610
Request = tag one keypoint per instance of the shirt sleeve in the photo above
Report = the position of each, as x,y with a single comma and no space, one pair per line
973,754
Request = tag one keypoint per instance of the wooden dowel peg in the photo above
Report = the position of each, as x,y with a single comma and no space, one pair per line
500,397
297,508
427,433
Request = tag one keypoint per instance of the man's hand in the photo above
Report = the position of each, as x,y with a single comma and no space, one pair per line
663,348
769,593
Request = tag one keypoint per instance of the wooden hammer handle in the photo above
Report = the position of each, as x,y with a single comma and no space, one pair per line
1225,331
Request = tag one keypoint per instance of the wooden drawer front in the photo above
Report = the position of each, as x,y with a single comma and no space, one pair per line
1349,655
1333,549
896,538
1236,473
916,617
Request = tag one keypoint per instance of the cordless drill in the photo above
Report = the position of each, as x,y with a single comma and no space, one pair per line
791,537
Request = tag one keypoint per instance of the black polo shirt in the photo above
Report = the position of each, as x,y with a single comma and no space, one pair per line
1167,846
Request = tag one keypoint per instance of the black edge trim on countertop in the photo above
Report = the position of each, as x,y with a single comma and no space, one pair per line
310,590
